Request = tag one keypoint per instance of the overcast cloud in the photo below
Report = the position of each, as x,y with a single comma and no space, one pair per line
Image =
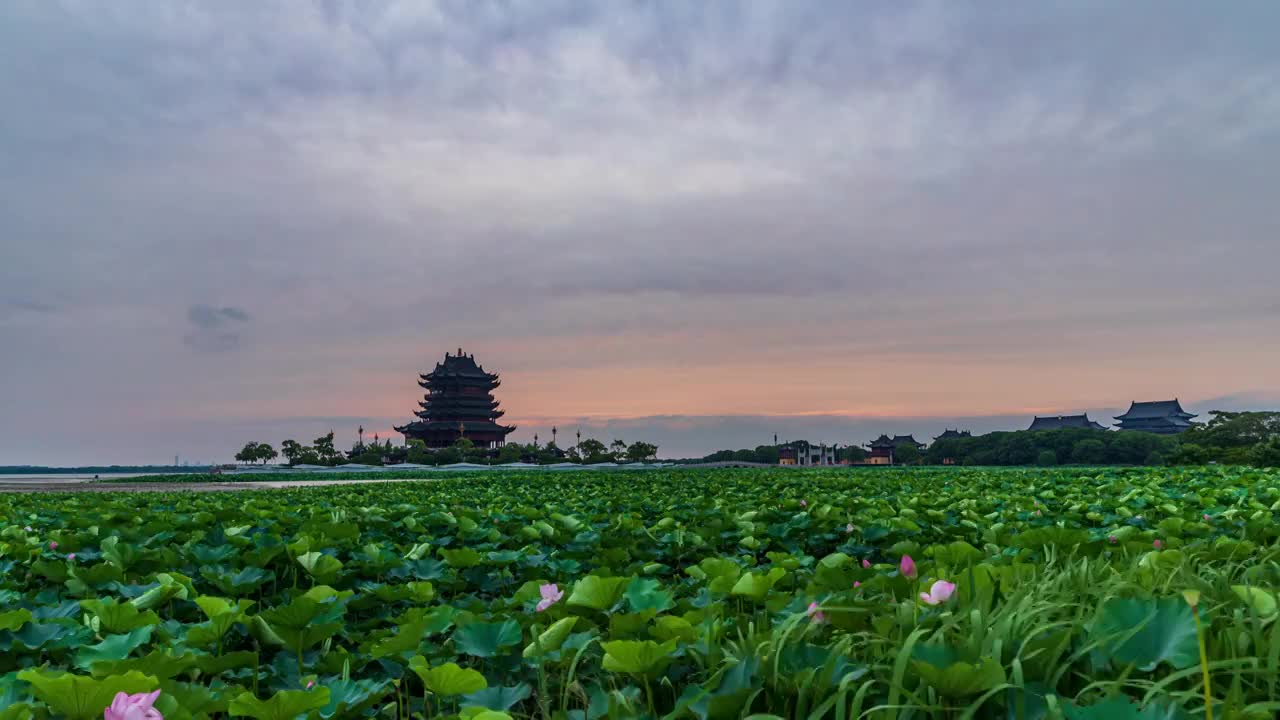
232,221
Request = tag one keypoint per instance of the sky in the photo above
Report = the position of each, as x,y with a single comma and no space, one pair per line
696,224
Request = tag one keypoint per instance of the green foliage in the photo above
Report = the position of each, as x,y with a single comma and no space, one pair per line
686,593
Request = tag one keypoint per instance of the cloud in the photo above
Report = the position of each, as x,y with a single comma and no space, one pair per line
215,329
806,206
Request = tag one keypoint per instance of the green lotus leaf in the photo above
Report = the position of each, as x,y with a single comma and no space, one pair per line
1118,707
117,617
598,593
14,619
284,705
347,697
461,558
448,679
637,656
1147,632
646,594
942,668
113,647
482,639
551,639
498,698
1261,602
324,568
757,585
78,697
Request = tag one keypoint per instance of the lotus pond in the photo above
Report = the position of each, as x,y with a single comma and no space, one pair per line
682,593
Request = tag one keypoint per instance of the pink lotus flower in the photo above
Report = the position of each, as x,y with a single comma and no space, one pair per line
71,557
816,616
856,584
1157,544
804,503
848,528
940,592
907,567
311,684
1206,517
550,596
133,707
1112,539
866,563
53,544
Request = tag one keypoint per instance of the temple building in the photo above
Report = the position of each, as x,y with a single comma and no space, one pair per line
459,404
1063,422
882,448
1165,417
950,434
803,452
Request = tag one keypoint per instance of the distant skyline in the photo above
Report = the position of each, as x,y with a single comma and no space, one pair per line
696,224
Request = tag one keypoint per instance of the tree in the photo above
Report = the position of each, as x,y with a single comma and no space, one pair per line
593,451
248,453
509,453
1047,458
325,451
1089,452
293,451
266,453
641,451
906,454
1266,454
618,450
853,453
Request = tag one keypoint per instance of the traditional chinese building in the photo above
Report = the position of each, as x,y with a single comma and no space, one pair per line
1165,417
1062,422
881,450
803,452
950,434
459,404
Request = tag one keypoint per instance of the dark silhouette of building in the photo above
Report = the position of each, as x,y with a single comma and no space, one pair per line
459,404
1062,422
1165,417
881,450
950,434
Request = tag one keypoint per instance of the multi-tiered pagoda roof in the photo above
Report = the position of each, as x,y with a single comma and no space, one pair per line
459,403
1165,417
1063,422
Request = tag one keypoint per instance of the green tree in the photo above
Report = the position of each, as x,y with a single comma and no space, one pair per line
618,450
510,452
640,451
1047,458
266,453
907,454
853,453
1266,454
593,451
293,451
1089,452
248,453
325,451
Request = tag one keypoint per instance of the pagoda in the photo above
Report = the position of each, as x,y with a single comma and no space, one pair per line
883,448
1064,422
1165,417
459,404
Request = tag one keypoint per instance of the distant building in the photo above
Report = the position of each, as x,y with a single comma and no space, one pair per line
803,452
1063,422
459,404
881,449
1165,417
950,434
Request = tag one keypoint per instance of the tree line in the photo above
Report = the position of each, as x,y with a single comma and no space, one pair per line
322,451
1236,438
